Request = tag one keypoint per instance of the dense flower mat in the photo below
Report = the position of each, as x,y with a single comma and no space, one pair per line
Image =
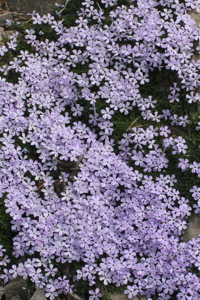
96,149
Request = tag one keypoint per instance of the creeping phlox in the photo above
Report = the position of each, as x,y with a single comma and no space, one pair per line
75,190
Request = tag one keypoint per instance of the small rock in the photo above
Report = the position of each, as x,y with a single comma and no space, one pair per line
4,17
193,230
7,34
16,286
2,291
38,296
28,6
17,297
73,297
195,16
196,57
117,296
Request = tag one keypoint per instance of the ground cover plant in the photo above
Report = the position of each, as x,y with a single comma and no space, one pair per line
99,149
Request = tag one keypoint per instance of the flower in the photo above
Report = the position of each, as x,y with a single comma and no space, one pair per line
77,110
95,295
9,22
107,113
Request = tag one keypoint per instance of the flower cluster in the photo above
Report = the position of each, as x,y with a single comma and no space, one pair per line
77,191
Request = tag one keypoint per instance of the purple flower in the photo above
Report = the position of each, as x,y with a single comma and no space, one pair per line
2,250
95,295
164,131
183,164
107,113
132,291
77,110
